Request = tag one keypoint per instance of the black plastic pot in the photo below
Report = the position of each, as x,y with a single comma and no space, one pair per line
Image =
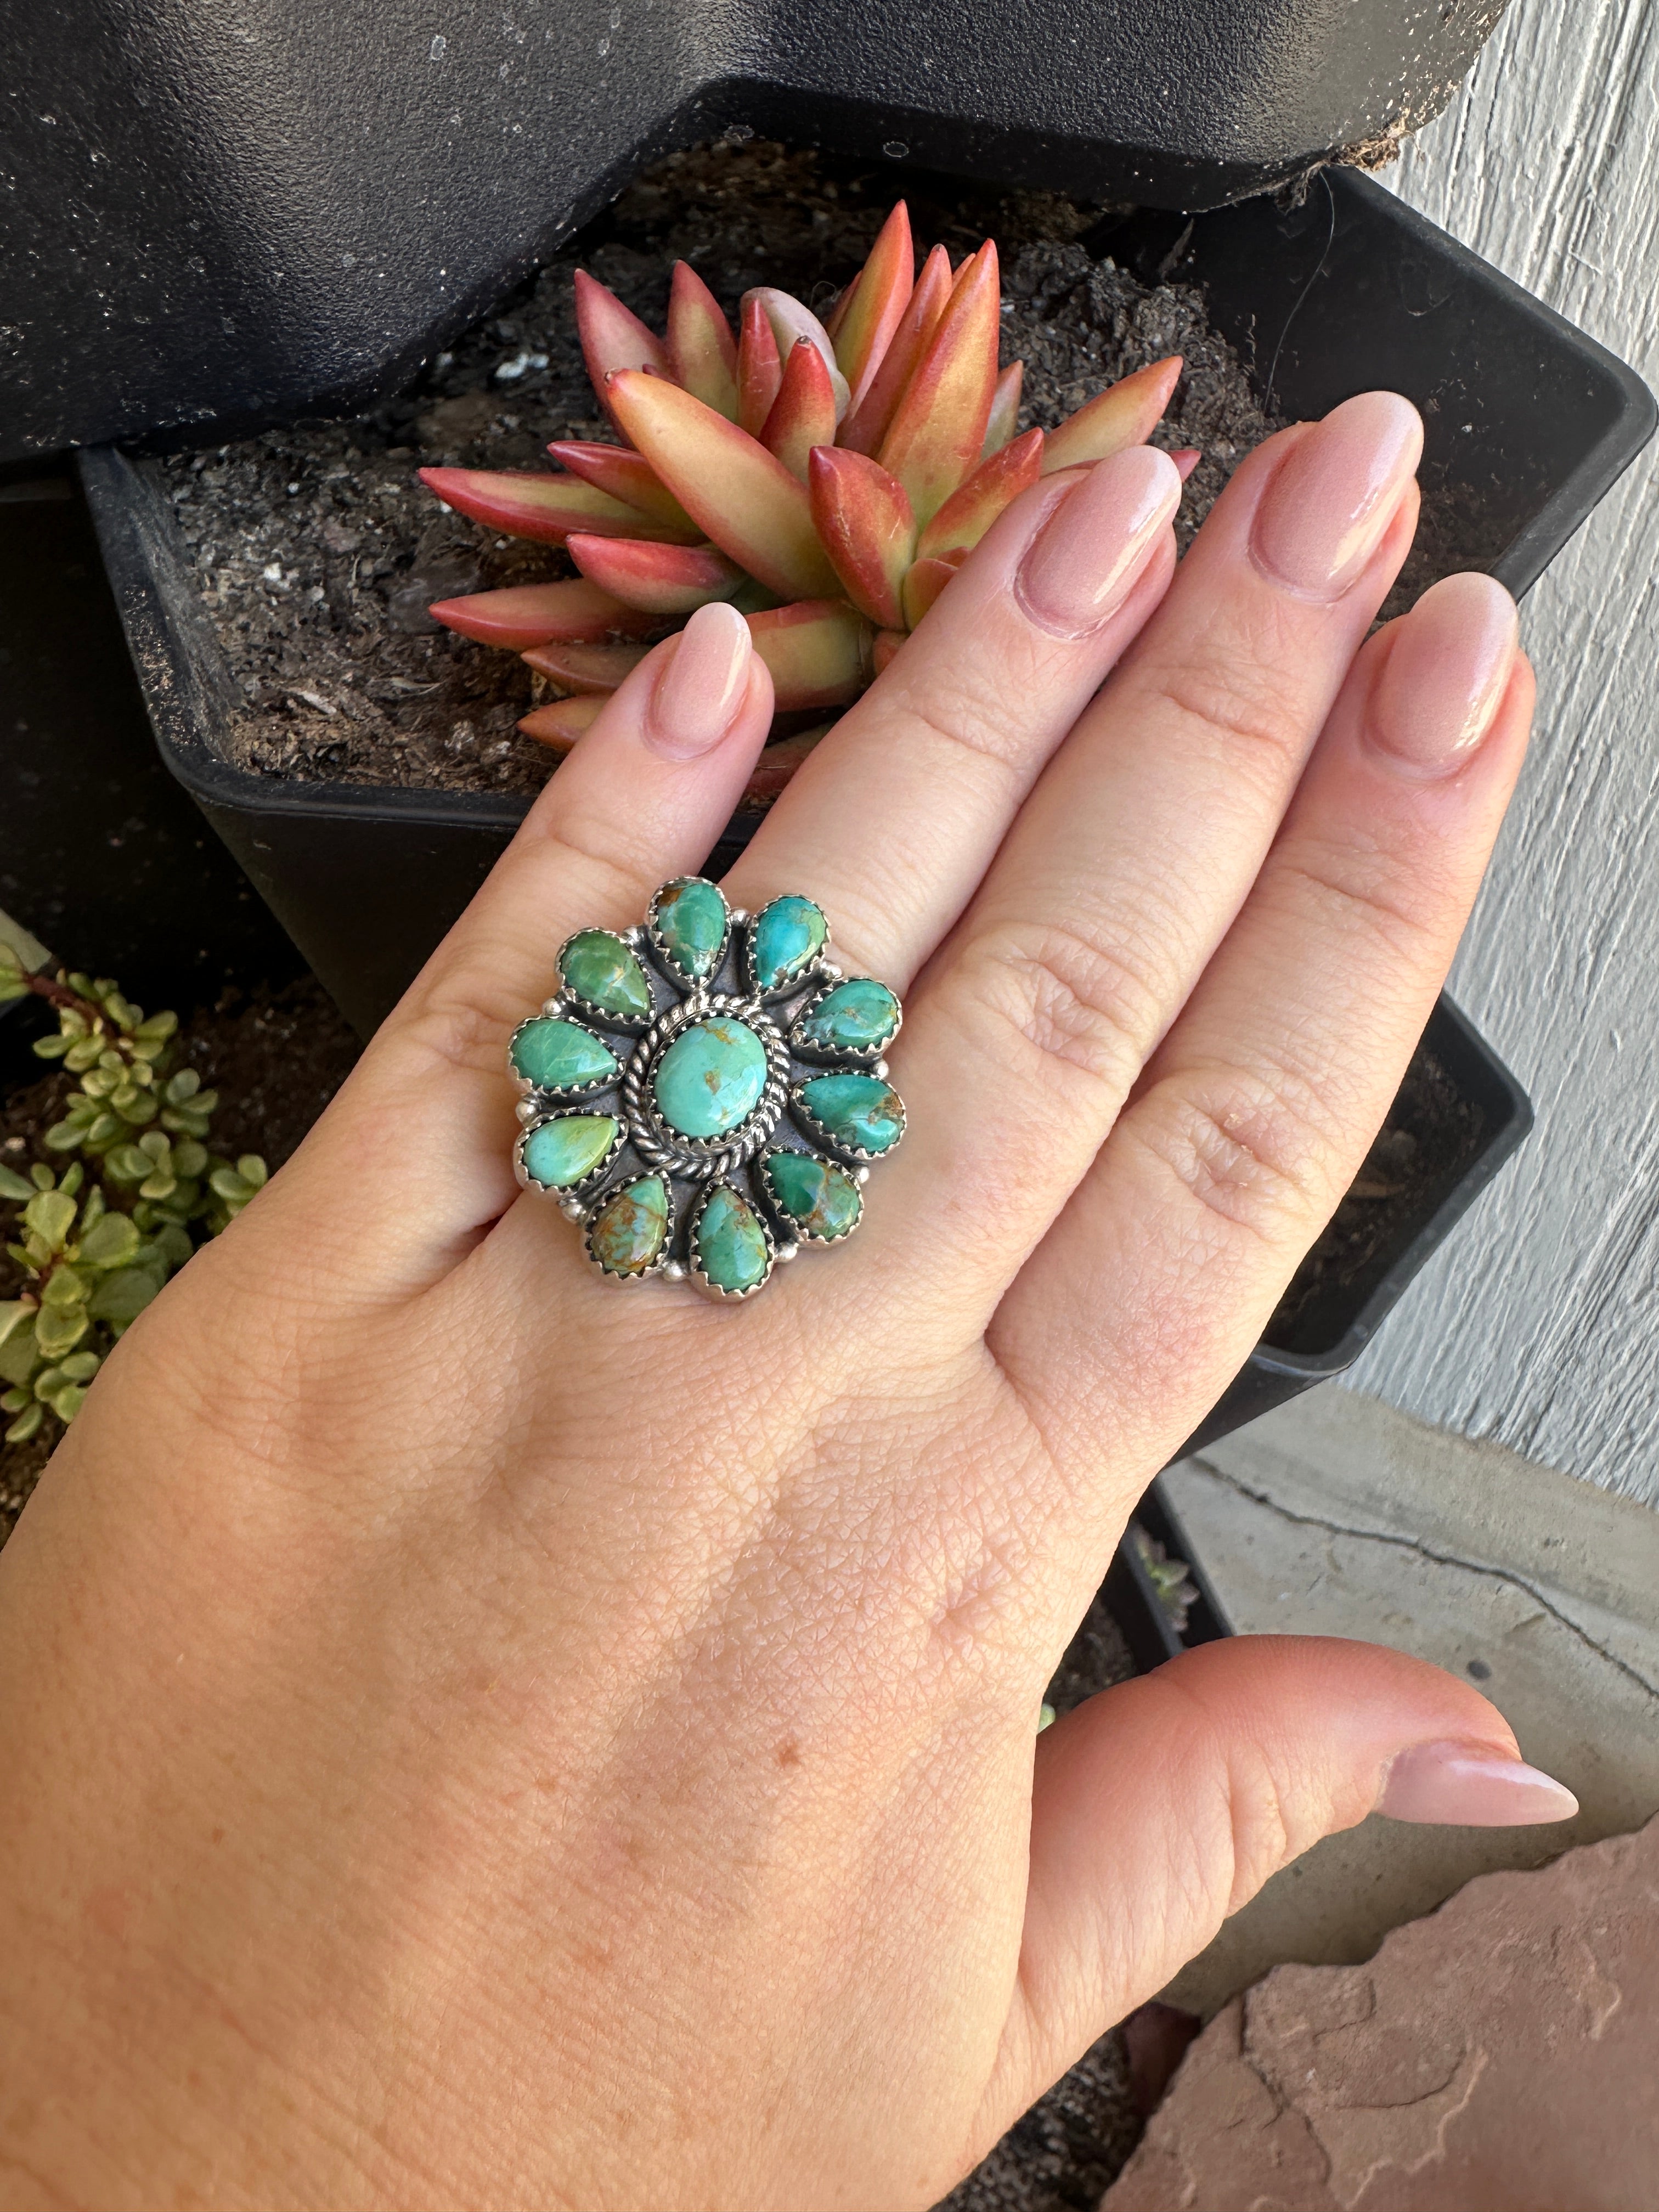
229,219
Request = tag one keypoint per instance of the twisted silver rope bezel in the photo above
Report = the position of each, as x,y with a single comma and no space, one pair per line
704,1159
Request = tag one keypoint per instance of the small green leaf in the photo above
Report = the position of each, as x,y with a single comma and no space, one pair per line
120,1297
81,1366
156,1144
19,1253
174,1241
103,1131
13,985
189,1158
93,1209
12,1402
184,1085
98,1082
128,1164
67,1402
252,1170
148,1051
50,1048
83,1053
14,1186
159,1186
42,1177
226,1183
66,1292
70,1181
112,1242
15,1314
65,1136
59,1332
138,1106
160,1027
184,1123
51,1215
27,1424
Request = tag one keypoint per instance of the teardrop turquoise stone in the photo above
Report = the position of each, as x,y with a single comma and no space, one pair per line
561,1055
600,968
689,918
562,1152
822,1200
859,1015
711,1077
860,1111
786,938
731,1244
628,1232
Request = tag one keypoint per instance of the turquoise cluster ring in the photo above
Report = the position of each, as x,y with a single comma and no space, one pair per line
705,1093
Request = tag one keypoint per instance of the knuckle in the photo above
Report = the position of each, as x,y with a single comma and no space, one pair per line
1365,891
1251,705
1254,1149
1076,1000
954,709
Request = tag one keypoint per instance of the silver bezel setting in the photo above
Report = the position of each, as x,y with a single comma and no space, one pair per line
717,1290
861,1056
665,958
838,1147
693,1168
556,1011
601,1018
816,967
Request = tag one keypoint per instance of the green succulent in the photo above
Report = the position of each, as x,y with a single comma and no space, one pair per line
93,1253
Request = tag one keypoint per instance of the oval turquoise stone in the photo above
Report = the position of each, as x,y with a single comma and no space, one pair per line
563,1152
629,1230
822,1200
711,1077
600,968
730,1245
561,1055
784,940
688,917
860,1111
859,1015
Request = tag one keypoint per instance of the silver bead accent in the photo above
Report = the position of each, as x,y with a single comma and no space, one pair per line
860,1175
526,1109
880,1070
675,1271
786,1251
740,915
573,1209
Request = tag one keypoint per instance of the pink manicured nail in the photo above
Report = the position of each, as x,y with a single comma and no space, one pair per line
1085,561
698,694
1446,672
1325,513
1467,1785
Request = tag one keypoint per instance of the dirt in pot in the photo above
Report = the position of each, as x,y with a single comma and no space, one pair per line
275,1057
317,548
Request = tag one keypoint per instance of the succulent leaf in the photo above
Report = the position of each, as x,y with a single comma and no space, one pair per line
804,413
1126,414
657,580
887,644
751,506
760,369
791,321
995,483
545,508
922,586
840,312
561,721
818,652
534,614
866,526
937,434
866,425
585,667
702,350
875,302
613,337
1005,408
628,478
1186,458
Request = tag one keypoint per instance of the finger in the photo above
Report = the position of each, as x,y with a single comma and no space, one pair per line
1134,852
1257,1111
895,816
427,1116
1161,1806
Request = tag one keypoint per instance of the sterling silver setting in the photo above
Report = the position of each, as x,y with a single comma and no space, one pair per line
727,1246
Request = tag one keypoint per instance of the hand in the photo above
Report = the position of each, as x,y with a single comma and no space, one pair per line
480,1738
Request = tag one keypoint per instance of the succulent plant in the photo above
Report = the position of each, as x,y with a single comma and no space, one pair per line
826,479
94,1249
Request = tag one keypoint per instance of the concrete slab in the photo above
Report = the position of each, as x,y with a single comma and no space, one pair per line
1337,1516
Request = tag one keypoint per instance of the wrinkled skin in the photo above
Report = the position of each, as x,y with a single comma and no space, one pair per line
480,1738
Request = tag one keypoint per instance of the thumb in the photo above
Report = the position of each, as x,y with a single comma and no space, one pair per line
1161,1806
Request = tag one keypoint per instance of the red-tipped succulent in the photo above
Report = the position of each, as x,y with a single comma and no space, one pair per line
828,481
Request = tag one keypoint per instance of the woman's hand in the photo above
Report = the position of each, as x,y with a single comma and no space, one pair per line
478,1738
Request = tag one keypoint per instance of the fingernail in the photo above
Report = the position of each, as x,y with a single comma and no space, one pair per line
1468,1785
1085,561
1446,672
1325,513
696,697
